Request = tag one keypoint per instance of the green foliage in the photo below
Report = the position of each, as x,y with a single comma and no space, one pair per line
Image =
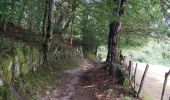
89,55
35,53
154,52
30,84
68,61
47,80
20,54
6,68
90,37
24,68
6,47
24,54
4,94
22,61
66,58
101,53
122,76
128,41
146,20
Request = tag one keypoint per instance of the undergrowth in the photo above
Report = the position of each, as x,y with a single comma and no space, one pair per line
33,84
89,55
36,84
154,53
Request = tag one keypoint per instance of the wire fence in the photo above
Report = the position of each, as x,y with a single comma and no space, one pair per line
137,80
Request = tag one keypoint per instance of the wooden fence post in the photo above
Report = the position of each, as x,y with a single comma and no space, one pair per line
135,76
165,82
129,78
142,80
129,69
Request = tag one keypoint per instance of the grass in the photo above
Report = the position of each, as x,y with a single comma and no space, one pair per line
44,80
39,81
89,55
4,94
34,84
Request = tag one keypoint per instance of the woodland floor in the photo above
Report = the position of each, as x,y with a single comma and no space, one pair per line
90,82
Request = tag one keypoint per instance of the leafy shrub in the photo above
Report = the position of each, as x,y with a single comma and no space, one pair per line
128,41
122,75
154,53
89,55
6,47
4,95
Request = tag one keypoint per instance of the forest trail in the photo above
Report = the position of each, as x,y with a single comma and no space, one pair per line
154,80
71,80
89,82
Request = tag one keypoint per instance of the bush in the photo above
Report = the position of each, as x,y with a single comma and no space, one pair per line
153,53
122,76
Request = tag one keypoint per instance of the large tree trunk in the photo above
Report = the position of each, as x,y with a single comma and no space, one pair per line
114,31
114,34
49,30
114,52
111,31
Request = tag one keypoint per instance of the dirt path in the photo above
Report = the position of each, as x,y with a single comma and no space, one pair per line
89,82
71,79
154,80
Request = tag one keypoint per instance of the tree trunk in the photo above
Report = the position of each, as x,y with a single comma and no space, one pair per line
112,43
71,36
45,18
109,42
95,52
49,30
114,34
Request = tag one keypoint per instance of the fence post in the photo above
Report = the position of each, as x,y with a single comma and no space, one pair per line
135,76
143,77
165,82
129,69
